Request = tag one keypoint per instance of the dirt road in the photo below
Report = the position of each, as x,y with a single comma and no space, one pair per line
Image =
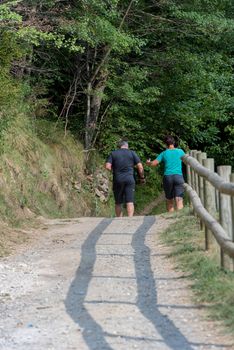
100,284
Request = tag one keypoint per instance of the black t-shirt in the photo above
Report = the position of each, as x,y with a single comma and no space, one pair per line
123,161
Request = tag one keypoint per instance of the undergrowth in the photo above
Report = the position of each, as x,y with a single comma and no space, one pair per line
42,174
147,193
210,283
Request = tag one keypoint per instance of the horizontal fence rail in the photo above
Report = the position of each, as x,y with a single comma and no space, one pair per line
216,180
224,241
212,197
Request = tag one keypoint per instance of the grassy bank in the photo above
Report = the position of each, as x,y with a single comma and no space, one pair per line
42,175
210,284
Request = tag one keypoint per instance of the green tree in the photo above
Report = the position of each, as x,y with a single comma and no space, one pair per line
138,69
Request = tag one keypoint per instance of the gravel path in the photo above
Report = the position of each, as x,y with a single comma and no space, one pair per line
100,284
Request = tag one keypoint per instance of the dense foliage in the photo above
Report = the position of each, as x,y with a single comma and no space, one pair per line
114,68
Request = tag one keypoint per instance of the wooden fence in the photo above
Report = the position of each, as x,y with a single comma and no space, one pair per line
212,197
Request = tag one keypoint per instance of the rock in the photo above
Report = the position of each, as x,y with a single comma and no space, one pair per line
101,195
77,186
97,192
89,178
28,213
104,188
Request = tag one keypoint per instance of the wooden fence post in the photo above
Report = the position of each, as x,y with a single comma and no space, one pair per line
232,200
196,174
221,235
189,178
225,213
200,158
188,173
192,153
209,200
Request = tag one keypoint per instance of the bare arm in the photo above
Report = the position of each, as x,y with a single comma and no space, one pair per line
152,163
108,166
140,170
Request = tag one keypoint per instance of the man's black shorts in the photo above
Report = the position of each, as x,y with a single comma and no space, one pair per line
173,186
124,191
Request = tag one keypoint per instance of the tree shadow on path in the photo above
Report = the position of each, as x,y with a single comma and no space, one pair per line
147,291
93,333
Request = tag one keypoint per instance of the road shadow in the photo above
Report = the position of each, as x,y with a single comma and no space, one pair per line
147,291
93,333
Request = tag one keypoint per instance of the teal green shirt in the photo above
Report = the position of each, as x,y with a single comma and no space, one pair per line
172,161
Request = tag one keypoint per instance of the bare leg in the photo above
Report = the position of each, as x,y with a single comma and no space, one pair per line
118,210
130,209
179,203
170,205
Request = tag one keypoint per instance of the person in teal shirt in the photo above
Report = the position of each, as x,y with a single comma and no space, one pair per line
173,177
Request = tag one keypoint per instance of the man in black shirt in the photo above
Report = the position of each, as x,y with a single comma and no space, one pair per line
122,162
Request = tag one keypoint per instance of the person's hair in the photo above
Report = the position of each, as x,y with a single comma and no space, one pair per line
122,143
169,140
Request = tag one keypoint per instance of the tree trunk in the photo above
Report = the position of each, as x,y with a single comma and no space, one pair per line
94,100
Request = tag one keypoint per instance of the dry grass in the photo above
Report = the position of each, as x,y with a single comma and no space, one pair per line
37,176
11,239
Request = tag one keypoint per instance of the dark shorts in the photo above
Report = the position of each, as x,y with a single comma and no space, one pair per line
173,186
124,191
